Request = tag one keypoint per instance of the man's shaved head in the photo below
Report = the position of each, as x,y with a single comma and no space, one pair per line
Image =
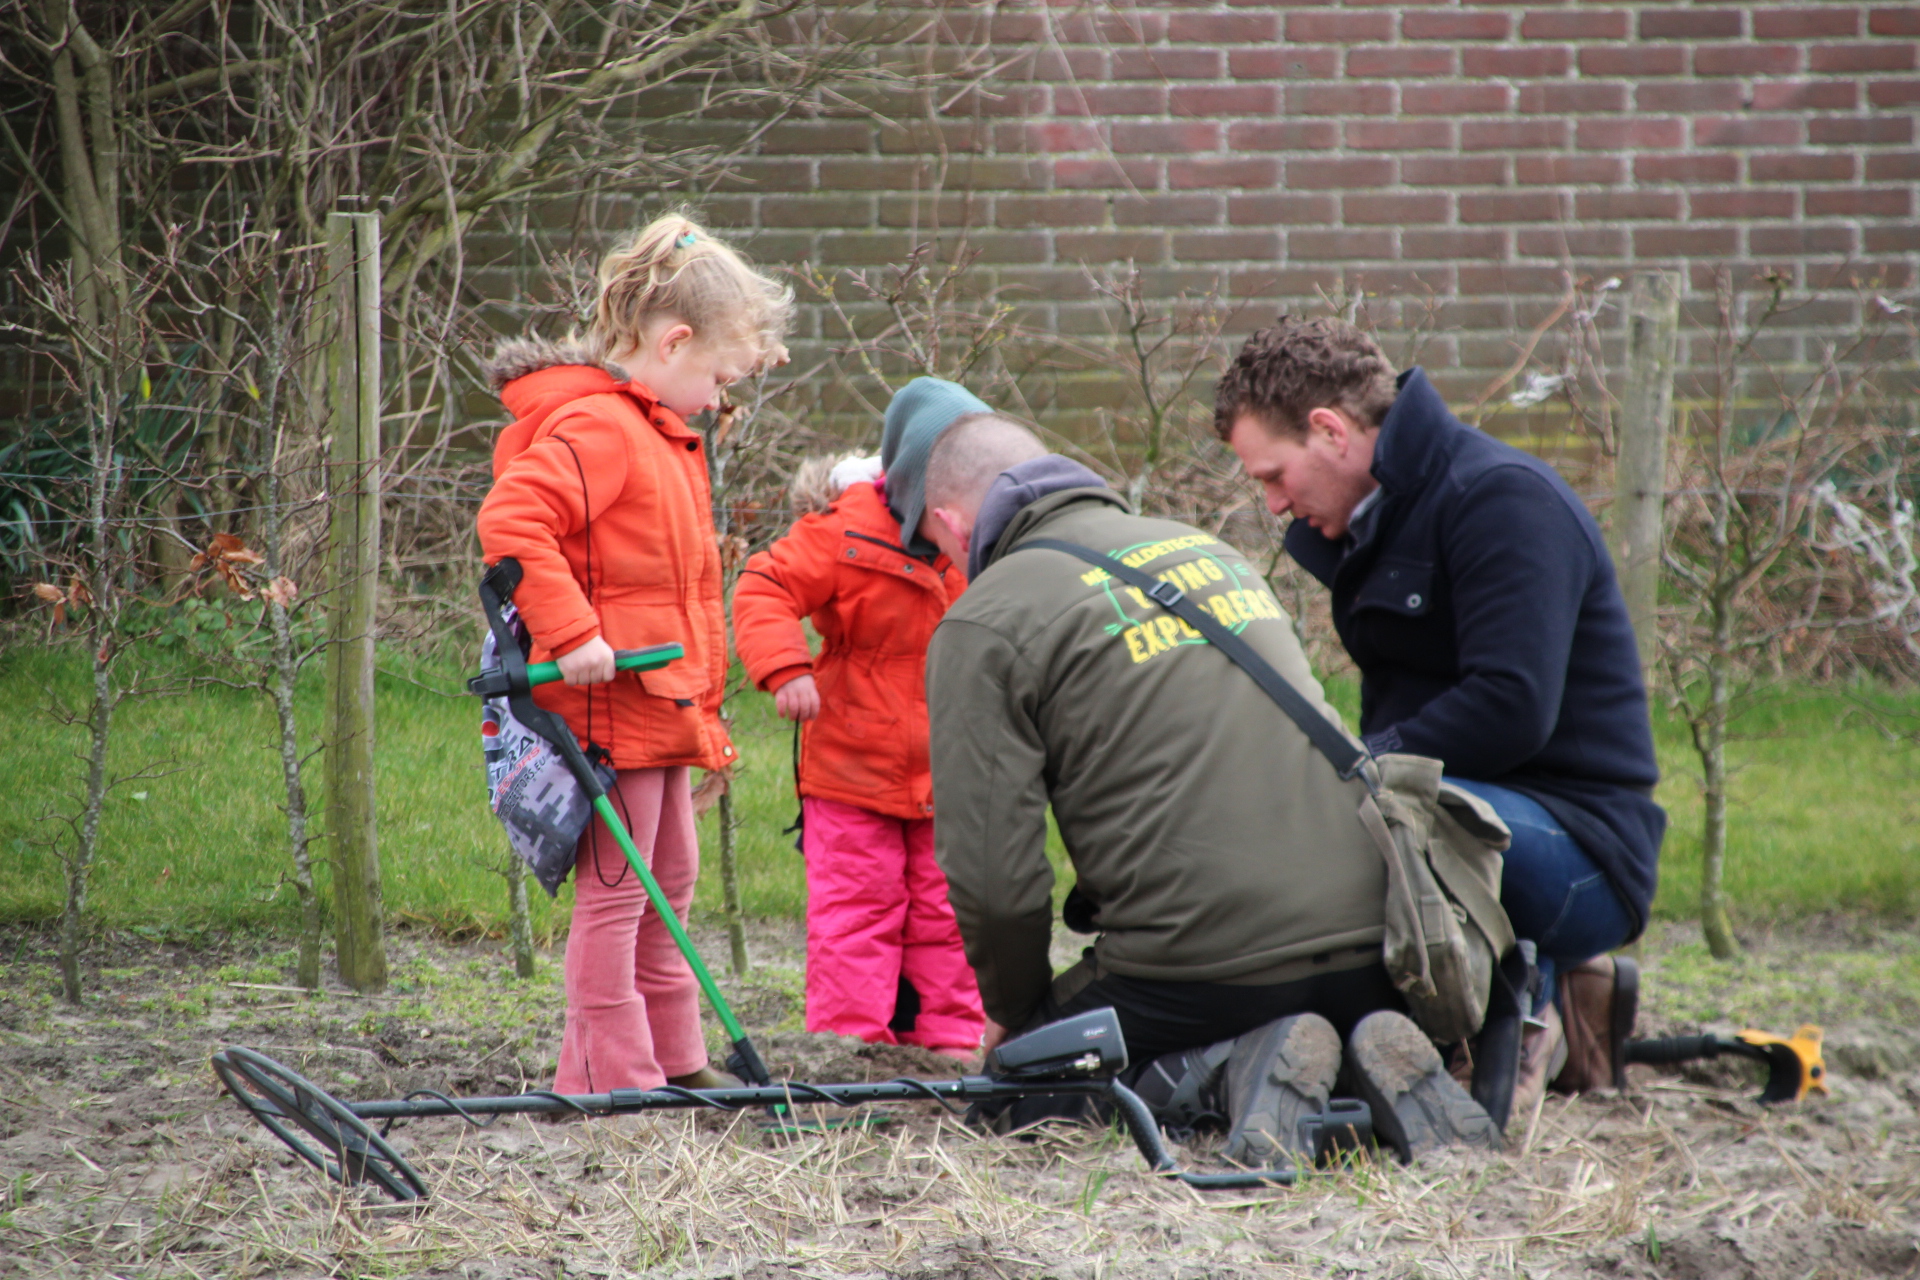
970,453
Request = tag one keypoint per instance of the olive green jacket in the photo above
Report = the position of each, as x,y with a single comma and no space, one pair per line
1217,843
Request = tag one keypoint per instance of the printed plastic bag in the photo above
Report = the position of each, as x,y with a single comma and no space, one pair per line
529,786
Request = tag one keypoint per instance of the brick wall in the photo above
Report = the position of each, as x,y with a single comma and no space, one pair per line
1453,159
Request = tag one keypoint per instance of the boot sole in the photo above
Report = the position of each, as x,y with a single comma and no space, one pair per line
1417,1106
1626,1006
1305,1054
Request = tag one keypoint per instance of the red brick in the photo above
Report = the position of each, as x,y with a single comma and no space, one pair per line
1015,212
818,211
1746,60
1690,95
1633,60
1110,246
756,174
1894,93
1689,24
1561,170
1451,245
1339,174
1453,99
1571,97
1708,167
1222,28
1512,135
1512,281
1419,24
1892,166
1187,210
1747,131
1896,239
1236,171
1745,203
1396,62
1629,134
1453,171
1166,64
1400,135
1106,173
1799,167
1894,55
1904,21
1179,137
1025,247
1106,100
813,137
1224,100
1800,24
1841,130
1685,242
1512,206
1360,99
1626,206
1817,95
1861,202
1338,27
1055,136
1020,102
1800,239
1226,246
1283,62
1338,246
1575,241
1575,24
1526,62
1280,210
1283,135
1054,64
1389,210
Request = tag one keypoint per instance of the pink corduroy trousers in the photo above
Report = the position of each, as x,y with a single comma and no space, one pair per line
877,909
633,1008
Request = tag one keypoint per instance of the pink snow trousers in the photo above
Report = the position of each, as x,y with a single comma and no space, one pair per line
877,909
633,1008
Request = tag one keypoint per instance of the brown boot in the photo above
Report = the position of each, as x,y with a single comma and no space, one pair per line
1601,998
1543,1053
704,1078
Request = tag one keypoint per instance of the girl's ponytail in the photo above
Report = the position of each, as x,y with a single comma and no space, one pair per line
675,267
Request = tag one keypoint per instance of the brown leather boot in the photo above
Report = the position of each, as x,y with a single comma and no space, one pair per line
1543,1053
1601,998
704,1078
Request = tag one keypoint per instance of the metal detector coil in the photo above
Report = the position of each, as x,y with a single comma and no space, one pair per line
1795,1064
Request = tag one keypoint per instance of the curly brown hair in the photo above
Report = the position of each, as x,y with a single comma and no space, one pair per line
1296,366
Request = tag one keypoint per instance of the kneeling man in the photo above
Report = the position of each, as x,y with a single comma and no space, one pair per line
1218,855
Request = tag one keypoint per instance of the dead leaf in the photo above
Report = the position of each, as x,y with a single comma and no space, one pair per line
280,591
77,592
48,592
711,788
723,421
733,552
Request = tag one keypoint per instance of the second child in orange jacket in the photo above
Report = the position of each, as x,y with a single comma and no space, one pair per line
878,920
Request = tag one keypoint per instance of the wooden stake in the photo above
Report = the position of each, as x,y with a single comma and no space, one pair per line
353,264
1640,472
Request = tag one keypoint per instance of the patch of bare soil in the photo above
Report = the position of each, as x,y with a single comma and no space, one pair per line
120,1158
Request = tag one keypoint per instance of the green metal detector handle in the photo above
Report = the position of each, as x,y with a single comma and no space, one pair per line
651,658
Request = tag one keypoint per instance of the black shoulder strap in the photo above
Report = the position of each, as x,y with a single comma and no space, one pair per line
1335,745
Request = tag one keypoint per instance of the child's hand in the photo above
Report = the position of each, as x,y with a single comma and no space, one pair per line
591,663
797,699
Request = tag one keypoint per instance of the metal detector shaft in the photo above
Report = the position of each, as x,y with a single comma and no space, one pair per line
627,1101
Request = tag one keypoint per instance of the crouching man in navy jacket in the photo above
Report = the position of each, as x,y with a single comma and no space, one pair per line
1474,591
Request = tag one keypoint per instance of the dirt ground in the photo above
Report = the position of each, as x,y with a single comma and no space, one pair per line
121,1159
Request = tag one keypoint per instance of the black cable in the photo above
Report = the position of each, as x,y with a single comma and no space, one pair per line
459,1110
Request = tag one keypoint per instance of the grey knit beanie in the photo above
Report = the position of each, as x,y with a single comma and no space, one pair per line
916,416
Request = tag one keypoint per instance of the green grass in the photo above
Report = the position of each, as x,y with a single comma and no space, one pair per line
1826,811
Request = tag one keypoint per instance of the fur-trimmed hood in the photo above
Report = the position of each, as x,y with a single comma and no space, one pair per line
517,357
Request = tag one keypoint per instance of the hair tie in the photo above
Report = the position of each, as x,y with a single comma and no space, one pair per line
685,241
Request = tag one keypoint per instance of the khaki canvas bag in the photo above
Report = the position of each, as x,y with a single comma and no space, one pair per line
1445,928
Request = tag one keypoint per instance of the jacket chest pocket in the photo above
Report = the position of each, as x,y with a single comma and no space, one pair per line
1403,587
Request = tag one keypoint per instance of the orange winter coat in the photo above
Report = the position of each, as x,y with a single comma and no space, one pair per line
875,607
601,493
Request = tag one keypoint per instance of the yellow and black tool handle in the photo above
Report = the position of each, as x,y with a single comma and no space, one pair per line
1794,1065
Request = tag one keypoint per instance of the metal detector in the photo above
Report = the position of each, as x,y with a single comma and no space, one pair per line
515,678
1079,1056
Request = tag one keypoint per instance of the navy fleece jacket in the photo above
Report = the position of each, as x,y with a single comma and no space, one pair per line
1479,602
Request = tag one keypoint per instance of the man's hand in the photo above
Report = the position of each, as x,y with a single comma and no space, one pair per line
591,663
995,1035
797,699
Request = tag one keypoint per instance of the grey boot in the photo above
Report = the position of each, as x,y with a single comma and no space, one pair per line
1275,1075
1417,1106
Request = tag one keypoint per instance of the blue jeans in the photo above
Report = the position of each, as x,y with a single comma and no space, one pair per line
1553,892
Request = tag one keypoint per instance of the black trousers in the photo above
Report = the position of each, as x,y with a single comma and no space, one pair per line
1159,1017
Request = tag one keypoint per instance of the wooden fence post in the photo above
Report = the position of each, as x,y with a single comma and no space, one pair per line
353,544
1640,472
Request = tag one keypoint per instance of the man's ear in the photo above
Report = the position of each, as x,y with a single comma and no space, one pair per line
955,523
1332,424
